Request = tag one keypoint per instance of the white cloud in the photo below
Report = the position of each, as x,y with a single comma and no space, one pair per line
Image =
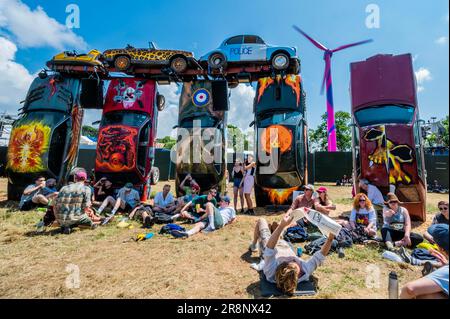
422,75
241,106
14,80
168,118
34,28
442,40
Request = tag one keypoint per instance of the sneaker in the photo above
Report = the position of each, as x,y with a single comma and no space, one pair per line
341,253
94,226
66,230
427,268
389,246
404,254
179,234
207,230
253,247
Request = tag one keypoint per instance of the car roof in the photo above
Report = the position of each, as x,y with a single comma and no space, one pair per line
241,35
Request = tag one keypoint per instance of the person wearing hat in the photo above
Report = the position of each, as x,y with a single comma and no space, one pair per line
323,202
435,284
396,230
303,200
217,218
127,199
72,203
374,194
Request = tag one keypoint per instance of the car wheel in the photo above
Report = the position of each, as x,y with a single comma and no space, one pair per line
179,64
217,60
154,179
122,63
280,61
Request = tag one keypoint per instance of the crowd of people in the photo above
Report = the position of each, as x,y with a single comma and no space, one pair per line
84,202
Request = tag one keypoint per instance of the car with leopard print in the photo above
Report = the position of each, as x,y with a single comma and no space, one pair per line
125,59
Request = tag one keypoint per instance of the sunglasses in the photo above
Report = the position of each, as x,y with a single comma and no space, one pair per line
362,200
443,208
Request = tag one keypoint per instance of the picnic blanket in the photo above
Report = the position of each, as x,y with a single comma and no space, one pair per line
269,289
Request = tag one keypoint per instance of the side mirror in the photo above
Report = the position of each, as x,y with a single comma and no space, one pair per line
251,124
160,102
96,122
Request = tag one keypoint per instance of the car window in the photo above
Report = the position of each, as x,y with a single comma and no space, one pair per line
235,40
253,39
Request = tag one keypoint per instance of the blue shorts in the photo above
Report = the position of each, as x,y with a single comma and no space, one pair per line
440,277
237,182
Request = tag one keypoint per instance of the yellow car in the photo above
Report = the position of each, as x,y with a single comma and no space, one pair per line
93,58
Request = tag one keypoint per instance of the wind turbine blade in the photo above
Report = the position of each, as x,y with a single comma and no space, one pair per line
327,69
351,45
316,43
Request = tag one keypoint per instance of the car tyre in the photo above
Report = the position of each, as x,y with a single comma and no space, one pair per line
217,60
154,176
280,61
179,64
122,63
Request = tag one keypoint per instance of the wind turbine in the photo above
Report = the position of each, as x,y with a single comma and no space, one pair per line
327,79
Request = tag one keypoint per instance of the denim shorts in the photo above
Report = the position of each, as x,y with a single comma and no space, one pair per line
237,182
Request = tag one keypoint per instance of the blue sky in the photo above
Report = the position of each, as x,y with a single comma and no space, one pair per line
416,27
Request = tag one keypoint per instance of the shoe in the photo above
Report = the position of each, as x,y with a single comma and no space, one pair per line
179,234
94,226
148,222
389,246
341,253
66,230
253,247
208,230
427,268
404,254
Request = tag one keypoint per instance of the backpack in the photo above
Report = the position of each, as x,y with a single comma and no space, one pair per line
317,244
162,218
358,235
296,234
166,229
344,238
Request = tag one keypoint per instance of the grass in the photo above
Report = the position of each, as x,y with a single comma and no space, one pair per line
215,265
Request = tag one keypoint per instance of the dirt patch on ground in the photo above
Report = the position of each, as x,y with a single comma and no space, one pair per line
212,265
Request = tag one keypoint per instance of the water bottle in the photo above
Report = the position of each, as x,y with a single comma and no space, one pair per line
299,251
393,285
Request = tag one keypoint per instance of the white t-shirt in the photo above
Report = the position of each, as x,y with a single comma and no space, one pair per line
163,202
375,195
228,214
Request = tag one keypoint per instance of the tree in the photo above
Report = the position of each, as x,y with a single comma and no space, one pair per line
319,138
236,138
168,142
90,131
445,137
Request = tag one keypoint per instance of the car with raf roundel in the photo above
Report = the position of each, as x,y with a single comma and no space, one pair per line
244,49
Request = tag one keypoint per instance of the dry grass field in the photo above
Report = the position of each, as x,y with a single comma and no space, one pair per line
215,265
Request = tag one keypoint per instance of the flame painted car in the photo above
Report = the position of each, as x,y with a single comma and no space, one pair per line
281,139
242,49
92,58
124,59
45,139
127,133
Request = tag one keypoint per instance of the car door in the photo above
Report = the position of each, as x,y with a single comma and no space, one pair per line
232,48
253,49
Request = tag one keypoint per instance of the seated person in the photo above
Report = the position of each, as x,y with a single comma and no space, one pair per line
103,189
73,203
281,265
396,230
164,202
143,213
217,218
195,210
435,284
439,218
323,203
186,185
303,200
373,193
127,199
50,188
35,195
363,215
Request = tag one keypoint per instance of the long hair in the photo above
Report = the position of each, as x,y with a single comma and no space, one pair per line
286,277
356,201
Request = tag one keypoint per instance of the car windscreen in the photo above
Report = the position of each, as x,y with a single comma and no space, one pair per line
124,118
285,117
203,121
385,114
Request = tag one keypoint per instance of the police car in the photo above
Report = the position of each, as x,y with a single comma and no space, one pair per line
242,49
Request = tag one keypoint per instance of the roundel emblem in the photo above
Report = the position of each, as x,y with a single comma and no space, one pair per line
201,97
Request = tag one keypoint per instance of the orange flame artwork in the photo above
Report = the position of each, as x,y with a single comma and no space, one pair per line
279,196
294,82
276,136
264,83
27,145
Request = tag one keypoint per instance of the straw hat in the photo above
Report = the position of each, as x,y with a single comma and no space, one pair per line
391,197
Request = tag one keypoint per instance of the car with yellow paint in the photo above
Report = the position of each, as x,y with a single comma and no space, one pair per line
124,60
92,58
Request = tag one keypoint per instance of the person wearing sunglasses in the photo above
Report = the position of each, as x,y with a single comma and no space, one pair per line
363,215
439,218
33,195
323,202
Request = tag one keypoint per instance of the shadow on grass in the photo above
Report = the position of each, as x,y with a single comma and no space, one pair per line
9,205
50,232
247,257
254,291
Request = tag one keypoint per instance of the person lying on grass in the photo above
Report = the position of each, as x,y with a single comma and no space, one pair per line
217,218
144,214
195,210
281,265
435,284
